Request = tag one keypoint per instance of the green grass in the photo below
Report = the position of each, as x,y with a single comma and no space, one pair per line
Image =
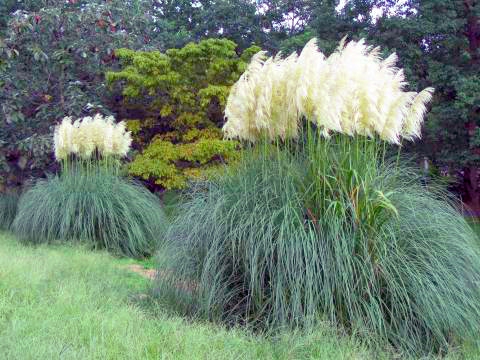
334,234
65,302
8,209
98,208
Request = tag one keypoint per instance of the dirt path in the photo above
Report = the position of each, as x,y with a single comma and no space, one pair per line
146,273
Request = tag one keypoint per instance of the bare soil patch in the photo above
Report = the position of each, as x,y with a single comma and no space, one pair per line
146,273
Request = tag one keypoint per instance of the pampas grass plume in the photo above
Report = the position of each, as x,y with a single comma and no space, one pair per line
353,91
87,136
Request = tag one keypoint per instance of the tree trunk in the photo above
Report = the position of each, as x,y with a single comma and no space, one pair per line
472,32
471,179
472,29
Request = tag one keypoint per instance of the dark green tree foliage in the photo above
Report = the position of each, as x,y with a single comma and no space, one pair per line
287,16
8,7
438,42
53,58
328,21
236,20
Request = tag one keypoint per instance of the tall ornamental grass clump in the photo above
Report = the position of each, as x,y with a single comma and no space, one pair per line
8,209
316,223
89,202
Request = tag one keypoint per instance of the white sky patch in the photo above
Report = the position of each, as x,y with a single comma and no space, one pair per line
341,5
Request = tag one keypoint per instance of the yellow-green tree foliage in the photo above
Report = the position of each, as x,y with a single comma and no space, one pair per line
174,104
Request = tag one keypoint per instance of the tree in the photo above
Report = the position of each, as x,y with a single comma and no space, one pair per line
327,20
236,20
438,44
174,102
287,16
9,7
52,64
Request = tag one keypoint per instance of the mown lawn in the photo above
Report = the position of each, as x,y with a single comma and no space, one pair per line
65,302
69,303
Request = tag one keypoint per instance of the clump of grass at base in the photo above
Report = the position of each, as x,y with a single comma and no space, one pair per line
316,224
89,202
8,209
100,209
250,250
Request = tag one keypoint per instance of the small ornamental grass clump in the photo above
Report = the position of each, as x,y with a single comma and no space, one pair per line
89,202
8,209
316,224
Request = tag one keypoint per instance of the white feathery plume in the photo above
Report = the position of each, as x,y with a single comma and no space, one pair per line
74,146
118,139
306,89
280,115
416,112
354,91
397,110
63,139
98,132
126,144
108,141
242,102
89,135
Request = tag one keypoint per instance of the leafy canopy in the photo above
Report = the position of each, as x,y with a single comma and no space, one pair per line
53,55
175,101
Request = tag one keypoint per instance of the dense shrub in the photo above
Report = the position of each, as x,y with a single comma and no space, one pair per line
175,103
101,209
8,209
201,158
89,201
255,249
